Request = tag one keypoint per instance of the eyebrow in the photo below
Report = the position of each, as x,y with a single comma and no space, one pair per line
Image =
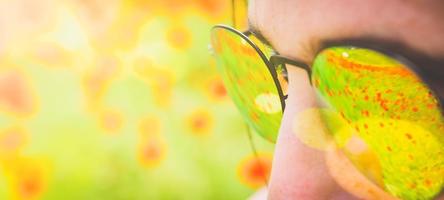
393,48
384,44
432,65
258,34
428,66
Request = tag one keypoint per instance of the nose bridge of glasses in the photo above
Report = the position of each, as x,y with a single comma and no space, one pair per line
277,60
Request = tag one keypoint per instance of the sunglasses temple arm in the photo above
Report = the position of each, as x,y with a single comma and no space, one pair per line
277,60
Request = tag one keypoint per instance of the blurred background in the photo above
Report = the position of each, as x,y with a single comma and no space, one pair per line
120,99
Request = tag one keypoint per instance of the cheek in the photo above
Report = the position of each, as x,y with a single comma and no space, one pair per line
349,178
305,148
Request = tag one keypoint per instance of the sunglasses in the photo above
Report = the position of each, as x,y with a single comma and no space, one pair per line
366,92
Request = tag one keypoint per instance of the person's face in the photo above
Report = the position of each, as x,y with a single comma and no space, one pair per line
295,29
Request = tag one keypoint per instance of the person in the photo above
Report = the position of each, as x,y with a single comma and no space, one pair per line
297,29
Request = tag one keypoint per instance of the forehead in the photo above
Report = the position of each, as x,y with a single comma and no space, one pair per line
298,26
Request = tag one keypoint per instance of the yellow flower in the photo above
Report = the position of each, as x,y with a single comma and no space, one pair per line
149,127
200,122
97,80
179,37
111,120
160,80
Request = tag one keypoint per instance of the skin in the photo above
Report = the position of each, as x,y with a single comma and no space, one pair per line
296,28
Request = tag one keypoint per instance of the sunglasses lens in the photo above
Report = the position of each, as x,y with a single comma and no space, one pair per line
384,118
249,81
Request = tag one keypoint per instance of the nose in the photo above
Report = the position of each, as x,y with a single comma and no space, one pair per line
299,171
306,163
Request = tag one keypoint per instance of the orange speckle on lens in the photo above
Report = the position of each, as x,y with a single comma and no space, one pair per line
365,113
389,148
428,183
200,122
254,170
254,116
431,106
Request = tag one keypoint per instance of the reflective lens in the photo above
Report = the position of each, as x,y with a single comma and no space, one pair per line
249,81
378,104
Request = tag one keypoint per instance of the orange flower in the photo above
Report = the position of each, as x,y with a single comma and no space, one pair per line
15,93
151,152
152,148
179,37
216,89
200,122
254,170
111,121
53,55
213,8
12,141
160,80
27,178
97,81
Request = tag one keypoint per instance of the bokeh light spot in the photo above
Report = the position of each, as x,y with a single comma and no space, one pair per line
310,129
111,121
179,37
200,122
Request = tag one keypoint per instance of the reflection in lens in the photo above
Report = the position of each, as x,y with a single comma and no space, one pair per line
248,81
268,103
310,129
386,120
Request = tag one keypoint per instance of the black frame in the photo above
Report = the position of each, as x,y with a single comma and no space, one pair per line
435,81
271,67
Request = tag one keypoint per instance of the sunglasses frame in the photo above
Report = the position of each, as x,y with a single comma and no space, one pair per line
434,81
